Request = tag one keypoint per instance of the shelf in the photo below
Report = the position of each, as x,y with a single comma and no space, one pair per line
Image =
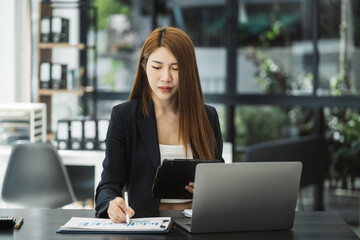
56,53
80,46
80,92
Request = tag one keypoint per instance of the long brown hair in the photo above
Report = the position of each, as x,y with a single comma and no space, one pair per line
194,126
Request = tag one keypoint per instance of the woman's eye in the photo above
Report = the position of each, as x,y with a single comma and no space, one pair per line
175,69
156,67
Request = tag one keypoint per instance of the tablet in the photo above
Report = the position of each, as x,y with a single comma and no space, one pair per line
172,177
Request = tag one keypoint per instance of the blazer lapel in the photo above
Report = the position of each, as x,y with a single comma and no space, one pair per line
148,130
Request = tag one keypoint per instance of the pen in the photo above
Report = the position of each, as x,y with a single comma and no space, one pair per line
19,223
127,206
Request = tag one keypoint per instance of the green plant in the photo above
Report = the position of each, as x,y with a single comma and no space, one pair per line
258,124
109,79
344,132
343,124
269,73
105,8
271,34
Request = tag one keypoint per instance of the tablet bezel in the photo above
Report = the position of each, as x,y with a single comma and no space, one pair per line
172,177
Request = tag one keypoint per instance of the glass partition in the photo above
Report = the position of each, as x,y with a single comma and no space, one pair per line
275,50
205,23
261,123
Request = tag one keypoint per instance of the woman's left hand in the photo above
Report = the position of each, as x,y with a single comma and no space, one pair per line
190,187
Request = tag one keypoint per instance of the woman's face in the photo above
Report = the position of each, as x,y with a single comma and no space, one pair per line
162,74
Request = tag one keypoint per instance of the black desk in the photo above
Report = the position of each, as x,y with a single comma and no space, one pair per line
43,223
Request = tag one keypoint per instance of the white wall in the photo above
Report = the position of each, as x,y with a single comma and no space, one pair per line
7,49
22,51
14,51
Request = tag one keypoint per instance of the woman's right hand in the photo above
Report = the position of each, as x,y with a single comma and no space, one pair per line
117,210
190,187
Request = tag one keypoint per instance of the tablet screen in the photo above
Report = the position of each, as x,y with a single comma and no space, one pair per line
172,177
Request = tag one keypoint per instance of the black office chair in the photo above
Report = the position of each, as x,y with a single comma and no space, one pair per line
36,177
310,150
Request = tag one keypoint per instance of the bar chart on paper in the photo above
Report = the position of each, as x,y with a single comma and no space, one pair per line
86,225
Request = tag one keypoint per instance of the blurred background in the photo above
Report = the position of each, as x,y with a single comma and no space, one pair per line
275,70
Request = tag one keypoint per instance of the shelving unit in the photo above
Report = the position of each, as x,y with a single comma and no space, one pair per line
80,92
22,121
82,86
80,46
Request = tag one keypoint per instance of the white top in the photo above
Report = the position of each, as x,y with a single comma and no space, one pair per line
174,152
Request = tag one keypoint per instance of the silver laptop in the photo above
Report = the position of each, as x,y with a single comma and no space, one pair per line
243,197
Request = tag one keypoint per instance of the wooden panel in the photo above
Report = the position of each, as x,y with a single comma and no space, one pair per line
45,55
80,46
47,101
45,10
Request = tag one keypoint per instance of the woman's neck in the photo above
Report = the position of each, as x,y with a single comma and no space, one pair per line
167,121
165,107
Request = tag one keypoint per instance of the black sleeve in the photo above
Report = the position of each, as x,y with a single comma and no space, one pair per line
115,164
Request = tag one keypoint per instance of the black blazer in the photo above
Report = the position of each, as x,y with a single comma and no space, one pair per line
132,156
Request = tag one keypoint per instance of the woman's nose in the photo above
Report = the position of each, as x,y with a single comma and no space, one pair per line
166,75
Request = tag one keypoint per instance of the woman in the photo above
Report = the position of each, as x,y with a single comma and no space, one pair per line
165,117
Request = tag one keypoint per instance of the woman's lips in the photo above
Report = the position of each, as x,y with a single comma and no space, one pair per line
165,89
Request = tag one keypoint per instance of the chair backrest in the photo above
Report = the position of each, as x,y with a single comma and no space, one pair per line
310,150
36,177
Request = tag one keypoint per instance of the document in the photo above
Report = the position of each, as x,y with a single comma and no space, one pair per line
100,225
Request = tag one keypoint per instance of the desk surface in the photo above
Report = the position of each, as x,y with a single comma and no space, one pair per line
43,223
